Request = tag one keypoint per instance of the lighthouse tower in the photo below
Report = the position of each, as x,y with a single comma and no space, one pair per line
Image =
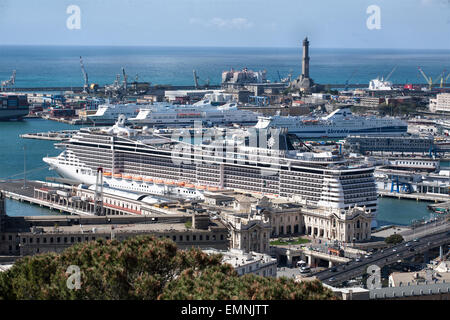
305,60
304,82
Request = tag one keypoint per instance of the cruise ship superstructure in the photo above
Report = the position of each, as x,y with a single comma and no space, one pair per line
109,113
338,124
145,162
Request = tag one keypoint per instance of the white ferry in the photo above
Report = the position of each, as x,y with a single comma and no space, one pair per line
338,124
186,115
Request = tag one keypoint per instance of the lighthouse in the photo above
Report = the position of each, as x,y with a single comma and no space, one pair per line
304,82
305,60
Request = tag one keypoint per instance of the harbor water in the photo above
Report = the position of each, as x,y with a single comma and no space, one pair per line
12,156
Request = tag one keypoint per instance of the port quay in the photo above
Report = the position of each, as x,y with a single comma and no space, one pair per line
303,198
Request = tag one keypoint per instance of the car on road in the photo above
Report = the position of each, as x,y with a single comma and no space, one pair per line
367,256
358,259
332,279
394,250
416,240
407,244
412,249
334,269
305,270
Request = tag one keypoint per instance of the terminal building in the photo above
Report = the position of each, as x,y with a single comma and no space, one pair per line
441,103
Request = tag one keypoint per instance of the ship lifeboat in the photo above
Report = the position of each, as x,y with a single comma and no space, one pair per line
127,177
136,178
189,185
117,176
170,183
201,187
213,188
158,181
107,174
181,183
148,179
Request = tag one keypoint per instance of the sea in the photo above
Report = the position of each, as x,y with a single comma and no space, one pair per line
49,66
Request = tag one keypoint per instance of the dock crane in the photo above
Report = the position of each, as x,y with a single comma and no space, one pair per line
85,76
390,74
10,82
195,79
347,81
125,80
429,80
444,78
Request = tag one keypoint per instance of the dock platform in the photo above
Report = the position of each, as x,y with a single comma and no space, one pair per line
415,196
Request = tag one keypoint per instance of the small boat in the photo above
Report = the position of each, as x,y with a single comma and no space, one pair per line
117,175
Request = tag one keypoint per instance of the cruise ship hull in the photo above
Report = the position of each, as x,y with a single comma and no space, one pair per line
89,177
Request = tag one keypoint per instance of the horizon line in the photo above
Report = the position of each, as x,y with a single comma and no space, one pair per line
212,46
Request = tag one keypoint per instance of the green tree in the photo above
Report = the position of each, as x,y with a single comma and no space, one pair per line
143,267
394,239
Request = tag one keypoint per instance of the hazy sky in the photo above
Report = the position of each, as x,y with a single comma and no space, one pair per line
423,24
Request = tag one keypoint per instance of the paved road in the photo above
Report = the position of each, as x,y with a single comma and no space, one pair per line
382,258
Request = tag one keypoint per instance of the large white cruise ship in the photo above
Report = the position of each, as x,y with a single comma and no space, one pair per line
338,124
266,162
186,115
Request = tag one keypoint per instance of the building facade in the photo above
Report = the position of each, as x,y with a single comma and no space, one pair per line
441,103
256,263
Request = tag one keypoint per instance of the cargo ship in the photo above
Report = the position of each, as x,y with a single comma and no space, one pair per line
13,107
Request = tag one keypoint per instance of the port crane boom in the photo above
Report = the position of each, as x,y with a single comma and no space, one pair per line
195,79
85,76
125,80
347,81
390,74
444,78
427,79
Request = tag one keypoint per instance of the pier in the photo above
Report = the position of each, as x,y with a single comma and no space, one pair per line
414,196
70,200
